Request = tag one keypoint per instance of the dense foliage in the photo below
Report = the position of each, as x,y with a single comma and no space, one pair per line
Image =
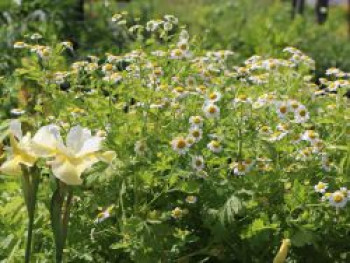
220,156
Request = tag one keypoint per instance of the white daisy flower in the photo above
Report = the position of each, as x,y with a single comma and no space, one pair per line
198,163
265,130
113,78
196,121
321,187
215,146
214,97
282,110
277,136
20,44
338,199
108,68
301,114
211,110
239,168
36,36
183,45
293,105
310,135
177,53
241,99
180,145
191,199
196,133
177,213
190,140
346,192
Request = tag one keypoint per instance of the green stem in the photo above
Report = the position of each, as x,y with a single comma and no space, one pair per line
62,198
29,240
30,184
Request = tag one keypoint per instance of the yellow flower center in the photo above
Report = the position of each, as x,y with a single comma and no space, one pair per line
157,72
213,96
312,135
215,144
241,167
179,89
183,46
212,109
199,162
178,52
294,104
302,113
283,109
181,143
197,120
108,67
338,198
321,186
265,128
196,133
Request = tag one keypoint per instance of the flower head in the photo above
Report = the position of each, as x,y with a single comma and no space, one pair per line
321,187
20,152
70,159
180,145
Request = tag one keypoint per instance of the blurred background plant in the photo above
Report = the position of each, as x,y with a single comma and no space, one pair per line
247,27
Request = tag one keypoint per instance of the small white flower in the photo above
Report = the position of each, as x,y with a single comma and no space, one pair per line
198,163
310,135
240,168
214,97
211,110
177,53
241,99
36,36
301,114
282,110
196,133
113,78
338,199
104,215
107,68
180,145
196,121
215,146
191,199
20,44
321,187
67,44
277,136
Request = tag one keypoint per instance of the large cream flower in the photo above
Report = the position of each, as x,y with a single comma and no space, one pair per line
80,152
20,151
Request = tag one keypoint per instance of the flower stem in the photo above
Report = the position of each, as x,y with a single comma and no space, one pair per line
30,184
60,208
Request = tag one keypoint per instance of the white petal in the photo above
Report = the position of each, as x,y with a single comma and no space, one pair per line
46,140
66,171
16,128
76,137
91,145
11,167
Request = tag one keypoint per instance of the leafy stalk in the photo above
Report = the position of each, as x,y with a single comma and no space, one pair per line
30,184
59,211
